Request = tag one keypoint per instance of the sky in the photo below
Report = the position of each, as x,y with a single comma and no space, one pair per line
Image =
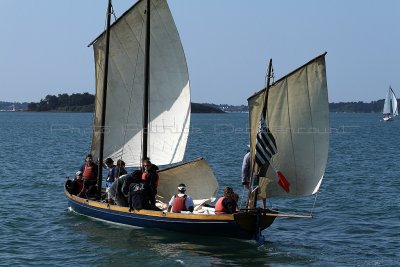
227,43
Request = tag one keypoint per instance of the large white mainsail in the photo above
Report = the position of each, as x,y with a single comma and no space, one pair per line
390,105
169,115
298,116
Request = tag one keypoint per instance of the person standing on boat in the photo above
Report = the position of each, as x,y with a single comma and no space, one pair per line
181,201
89,176
112,174
246,169
227,203
150,177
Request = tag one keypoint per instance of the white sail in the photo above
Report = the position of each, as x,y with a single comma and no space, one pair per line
298,117
196,175
394,110
387,105
169,104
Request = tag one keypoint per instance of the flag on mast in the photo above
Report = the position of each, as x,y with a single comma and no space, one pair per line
265,142
265,149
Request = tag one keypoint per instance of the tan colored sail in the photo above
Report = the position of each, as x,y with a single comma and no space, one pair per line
298,117
196,175
169,114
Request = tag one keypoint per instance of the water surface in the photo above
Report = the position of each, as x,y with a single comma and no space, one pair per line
357,211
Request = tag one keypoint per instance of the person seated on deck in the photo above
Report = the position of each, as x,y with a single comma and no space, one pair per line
84,184
150,177
120,169
119,191
181,201
227,203
138,196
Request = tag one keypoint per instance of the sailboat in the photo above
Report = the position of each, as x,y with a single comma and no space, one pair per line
143,110
390,109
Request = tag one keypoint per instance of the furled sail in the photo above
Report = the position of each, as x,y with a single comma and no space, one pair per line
298,116
197,176
169,115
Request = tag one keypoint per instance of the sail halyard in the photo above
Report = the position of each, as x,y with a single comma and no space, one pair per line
169,94
298,118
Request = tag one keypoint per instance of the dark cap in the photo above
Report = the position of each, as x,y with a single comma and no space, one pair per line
182,187
109,161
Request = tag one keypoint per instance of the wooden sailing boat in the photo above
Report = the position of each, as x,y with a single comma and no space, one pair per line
147,113
390,109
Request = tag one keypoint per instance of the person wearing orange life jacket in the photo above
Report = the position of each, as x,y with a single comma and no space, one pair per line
227,203
181,201
150,177
88,175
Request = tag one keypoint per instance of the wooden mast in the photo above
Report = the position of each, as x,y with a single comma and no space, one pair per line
264,114
104,100
146,84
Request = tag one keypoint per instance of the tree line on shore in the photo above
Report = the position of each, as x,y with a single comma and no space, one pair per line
357,107
63,102
84,102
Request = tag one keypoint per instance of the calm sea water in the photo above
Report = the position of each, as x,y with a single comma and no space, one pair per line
357,211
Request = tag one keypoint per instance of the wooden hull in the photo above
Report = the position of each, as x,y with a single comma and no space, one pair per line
239,225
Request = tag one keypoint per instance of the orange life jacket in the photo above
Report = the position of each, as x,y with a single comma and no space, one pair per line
179,204
144,177
219,208
88,173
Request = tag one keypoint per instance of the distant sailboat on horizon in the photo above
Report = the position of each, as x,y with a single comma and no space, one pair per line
390,109
9,108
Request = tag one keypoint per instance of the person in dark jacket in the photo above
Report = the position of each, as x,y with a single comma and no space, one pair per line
150,177
119,191
138,196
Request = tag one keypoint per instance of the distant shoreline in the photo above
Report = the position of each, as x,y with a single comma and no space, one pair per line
84,102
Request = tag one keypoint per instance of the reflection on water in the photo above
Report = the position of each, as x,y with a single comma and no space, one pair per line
159,247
